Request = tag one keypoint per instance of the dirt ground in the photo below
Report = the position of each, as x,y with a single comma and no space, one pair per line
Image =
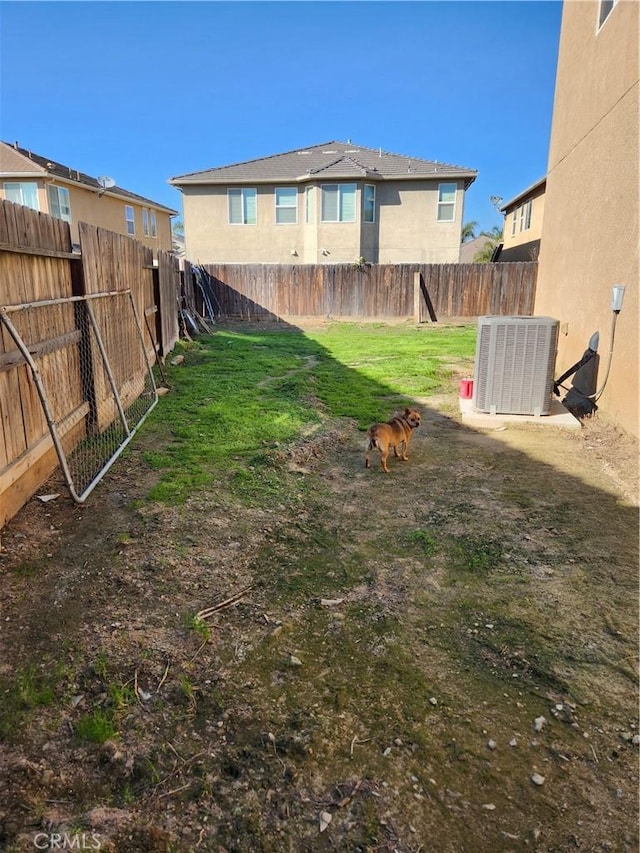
440,659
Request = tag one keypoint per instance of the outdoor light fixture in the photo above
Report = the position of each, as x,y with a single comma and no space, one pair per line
617,298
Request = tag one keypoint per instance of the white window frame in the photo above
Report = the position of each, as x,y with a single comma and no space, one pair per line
522,217
130,220
145,221
243,192
153,223
59,202
367,187
442,202
17,187
309,205
342,189
605,8
287,206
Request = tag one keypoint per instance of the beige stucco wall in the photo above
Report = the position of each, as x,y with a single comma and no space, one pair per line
409,229
406,228
590,229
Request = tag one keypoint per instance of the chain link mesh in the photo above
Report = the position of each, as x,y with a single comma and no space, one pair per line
90,383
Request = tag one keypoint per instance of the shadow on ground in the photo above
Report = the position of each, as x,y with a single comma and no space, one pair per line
440,658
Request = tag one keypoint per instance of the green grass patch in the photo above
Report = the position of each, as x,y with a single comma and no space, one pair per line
476,555
239,396
31,688
97,727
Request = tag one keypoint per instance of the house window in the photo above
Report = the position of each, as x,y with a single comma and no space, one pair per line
446,202
338,202
59,204
309,204
145,221
25,193
131,224
242,207
605,8
522,217
369,203
154,224
286,205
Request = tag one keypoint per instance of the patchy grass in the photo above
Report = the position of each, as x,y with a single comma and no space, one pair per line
97,727
239,397
384,644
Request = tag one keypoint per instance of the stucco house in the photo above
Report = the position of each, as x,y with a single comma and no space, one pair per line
42,184
336,202
523,216
591,224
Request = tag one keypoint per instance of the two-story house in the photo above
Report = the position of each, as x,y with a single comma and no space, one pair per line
331,203
42,184
591,220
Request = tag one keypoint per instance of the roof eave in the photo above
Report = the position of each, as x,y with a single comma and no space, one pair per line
468,177
528,191
98,190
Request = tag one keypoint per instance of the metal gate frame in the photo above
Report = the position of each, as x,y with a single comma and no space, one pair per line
130,430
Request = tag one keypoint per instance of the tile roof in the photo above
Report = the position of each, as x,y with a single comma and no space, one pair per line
15,160
330,159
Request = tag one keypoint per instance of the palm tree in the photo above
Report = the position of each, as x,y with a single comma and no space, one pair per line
468,231
495,233
483,255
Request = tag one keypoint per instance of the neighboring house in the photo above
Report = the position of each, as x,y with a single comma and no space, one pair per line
523,224
470,248
330,203
42,184
178,245
590,230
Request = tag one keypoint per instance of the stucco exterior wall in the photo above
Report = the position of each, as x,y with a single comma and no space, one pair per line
590,229
405,230
409,227
108,212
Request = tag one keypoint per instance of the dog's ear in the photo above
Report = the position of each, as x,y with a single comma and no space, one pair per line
407,411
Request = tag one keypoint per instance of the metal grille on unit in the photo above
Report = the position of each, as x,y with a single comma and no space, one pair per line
515,361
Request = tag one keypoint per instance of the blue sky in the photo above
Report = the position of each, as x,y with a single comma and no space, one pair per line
144,91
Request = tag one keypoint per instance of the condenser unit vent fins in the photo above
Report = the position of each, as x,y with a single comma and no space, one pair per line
515,361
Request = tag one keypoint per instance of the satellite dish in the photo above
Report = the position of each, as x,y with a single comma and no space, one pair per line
105,182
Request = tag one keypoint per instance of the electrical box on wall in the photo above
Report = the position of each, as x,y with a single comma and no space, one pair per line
515,361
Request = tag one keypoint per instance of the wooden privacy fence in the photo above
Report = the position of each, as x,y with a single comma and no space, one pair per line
81,331
420,292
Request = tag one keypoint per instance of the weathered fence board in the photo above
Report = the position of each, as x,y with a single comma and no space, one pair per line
37,264
269,291
166,299
26,278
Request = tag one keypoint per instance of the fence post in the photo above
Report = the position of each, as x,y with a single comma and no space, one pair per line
416,297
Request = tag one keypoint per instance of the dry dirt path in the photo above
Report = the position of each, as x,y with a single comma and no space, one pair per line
440,659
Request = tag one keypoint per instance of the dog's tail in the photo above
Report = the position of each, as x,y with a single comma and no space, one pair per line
372,439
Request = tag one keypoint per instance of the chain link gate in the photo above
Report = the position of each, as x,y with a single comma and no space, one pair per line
89,382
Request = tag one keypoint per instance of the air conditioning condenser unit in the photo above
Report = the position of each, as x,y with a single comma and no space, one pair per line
515,361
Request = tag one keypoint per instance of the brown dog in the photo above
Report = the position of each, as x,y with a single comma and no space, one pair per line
392,434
